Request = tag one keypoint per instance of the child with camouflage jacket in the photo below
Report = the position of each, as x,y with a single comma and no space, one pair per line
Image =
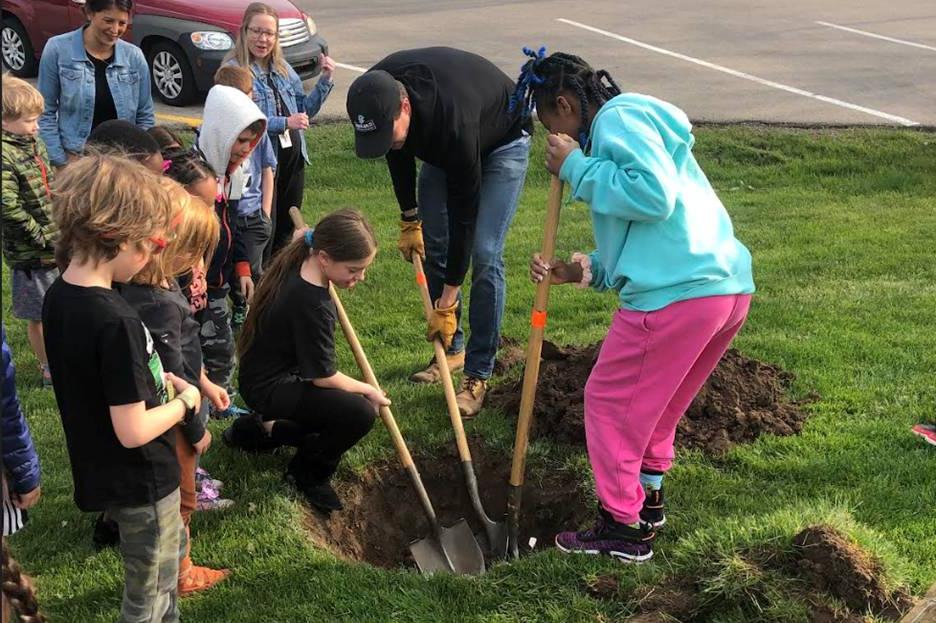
28,230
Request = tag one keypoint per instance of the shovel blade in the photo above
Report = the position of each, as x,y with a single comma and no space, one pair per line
495,538
456,544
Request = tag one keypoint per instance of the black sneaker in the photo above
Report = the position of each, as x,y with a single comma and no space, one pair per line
652,511
247,433
320,495
621,541
105,534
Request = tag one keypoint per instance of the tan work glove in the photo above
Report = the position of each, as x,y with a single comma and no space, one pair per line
411,240
442,324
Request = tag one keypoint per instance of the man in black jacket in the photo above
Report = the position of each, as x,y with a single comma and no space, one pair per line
450,110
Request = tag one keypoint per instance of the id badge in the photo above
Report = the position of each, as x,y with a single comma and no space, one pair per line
285,141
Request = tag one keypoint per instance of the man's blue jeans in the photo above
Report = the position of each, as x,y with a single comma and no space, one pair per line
502,178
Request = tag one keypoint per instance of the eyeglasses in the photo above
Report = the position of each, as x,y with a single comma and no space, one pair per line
262,33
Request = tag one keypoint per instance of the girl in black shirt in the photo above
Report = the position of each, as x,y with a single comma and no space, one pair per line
287,350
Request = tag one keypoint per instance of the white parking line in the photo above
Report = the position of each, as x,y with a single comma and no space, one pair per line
877,36
360,70
741,74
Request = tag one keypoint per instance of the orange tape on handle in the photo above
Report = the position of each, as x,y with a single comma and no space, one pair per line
421,279
538,319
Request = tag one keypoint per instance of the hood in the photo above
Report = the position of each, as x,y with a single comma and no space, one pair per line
224,14
671,122
228,111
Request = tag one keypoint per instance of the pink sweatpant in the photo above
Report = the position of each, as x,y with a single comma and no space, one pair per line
651,366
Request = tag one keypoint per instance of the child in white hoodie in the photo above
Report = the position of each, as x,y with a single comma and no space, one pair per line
232,127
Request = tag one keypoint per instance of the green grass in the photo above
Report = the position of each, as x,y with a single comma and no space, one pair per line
842,227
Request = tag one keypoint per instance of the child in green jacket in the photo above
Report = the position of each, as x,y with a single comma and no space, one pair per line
28,230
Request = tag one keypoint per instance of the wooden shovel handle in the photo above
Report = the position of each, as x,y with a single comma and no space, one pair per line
464,452
296,216
387,416
361,358
535,345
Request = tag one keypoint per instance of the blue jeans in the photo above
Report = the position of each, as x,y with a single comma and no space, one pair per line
502,177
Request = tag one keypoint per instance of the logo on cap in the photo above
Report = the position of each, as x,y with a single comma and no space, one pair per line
364,125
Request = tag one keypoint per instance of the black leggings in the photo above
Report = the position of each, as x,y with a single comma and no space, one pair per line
290,184
322,424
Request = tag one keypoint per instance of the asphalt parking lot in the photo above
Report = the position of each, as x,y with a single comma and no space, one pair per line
799,61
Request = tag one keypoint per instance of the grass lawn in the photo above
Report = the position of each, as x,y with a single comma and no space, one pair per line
842,226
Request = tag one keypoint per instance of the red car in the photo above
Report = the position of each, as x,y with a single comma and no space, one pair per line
184,41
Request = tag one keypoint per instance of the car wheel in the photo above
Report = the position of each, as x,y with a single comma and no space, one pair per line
172,75
18,55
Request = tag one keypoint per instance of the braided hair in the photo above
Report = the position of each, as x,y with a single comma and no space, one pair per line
543,78
18,590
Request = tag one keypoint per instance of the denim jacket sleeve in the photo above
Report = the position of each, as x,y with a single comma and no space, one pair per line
50,88
311,103
145,117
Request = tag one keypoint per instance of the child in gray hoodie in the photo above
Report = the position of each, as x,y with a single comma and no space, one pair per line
232,127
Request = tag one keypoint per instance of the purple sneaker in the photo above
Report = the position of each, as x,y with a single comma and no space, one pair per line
621,541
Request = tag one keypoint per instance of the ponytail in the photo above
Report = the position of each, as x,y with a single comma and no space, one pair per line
18,590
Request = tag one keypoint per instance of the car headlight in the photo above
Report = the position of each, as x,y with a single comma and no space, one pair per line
310,24
212,40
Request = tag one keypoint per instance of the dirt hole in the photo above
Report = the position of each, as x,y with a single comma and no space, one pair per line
743,399
823,564
382,514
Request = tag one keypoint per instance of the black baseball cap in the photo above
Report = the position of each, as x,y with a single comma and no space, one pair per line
373,105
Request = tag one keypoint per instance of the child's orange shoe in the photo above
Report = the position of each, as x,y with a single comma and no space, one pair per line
201,579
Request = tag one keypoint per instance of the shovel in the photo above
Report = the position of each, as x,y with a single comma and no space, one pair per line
496,531
451,550
531,374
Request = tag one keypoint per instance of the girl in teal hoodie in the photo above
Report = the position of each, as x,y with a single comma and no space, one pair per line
666,245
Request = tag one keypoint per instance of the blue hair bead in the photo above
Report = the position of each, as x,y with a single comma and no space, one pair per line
309,238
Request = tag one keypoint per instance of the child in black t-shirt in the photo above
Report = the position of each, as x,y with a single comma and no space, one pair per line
157,298
112,393
287,349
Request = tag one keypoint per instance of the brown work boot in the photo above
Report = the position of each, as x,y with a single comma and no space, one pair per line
470,397
431,374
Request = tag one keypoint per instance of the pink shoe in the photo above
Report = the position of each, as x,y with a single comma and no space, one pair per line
927,432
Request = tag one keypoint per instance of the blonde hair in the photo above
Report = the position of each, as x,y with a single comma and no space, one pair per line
241,53
20,98
234,76
103,200
193,235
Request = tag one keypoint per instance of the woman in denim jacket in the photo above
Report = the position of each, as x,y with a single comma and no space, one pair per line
279,94
89,76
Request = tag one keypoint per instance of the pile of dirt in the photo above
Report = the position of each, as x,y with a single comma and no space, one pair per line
831,563
743,399
823,564
382,514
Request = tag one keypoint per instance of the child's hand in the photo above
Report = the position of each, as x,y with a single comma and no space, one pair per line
377,398
180,385
216,394
202,446
297,121
328,66
27,500
559,272
247,287
558,148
